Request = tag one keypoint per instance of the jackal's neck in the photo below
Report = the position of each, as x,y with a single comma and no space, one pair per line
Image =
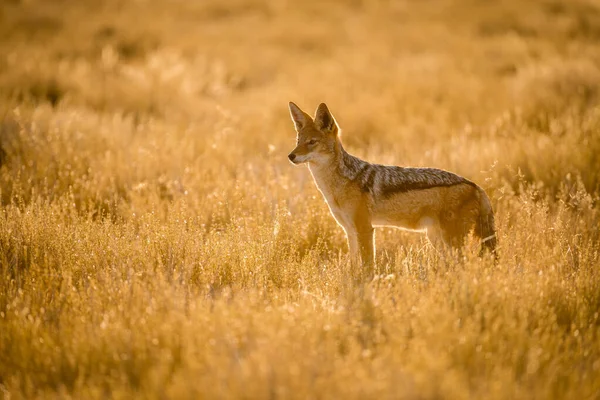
347,163
340,154
340,165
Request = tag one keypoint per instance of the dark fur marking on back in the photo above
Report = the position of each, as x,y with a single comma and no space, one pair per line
411,179
368,178
388,180
404,187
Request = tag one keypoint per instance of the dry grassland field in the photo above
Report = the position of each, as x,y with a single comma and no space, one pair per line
156,243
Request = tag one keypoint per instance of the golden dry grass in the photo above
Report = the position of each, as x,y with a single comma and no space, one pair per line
156,243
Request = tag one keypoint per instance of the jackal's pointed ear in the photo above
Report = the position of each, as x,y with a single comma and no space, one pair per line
299,117
324,120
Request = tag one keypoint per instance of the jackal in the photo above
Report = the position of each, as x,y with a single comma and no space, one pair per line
362,196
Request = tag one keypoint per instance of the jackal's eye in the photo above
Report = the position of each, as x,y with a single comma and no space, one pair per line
311,142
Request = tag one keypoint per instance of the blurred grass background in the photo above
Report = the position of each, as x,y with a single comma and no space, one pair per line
156,243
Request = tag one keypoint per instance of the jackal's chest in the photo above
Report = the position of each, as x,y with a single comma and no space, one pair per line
338,204
336,193
341,214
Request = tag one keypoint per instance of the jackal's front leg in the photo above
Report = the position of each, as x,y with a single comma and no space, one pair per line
362,250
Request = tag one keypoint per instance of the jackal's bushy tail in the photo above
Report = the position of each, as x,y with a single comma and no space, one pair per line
485,227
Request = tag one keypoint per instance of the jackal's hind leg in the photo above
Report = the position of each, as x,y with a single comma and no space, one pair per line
435,235
457,221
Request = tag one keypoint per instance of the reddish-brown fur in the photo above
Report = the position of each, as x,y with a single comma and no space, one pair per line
362,196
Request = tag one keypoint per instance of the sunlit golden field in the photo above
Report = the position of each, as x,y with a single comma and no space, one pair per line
155,242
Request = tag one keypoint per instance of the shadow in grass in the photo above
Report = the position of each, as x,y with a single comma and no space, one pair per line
32,27
129,47
36,90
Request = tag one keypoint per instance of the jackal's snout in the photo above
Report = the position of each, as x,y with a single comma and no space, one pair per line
292,157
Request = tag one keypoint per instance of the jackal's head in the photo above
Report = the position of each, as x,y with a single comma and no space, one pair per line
317,138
